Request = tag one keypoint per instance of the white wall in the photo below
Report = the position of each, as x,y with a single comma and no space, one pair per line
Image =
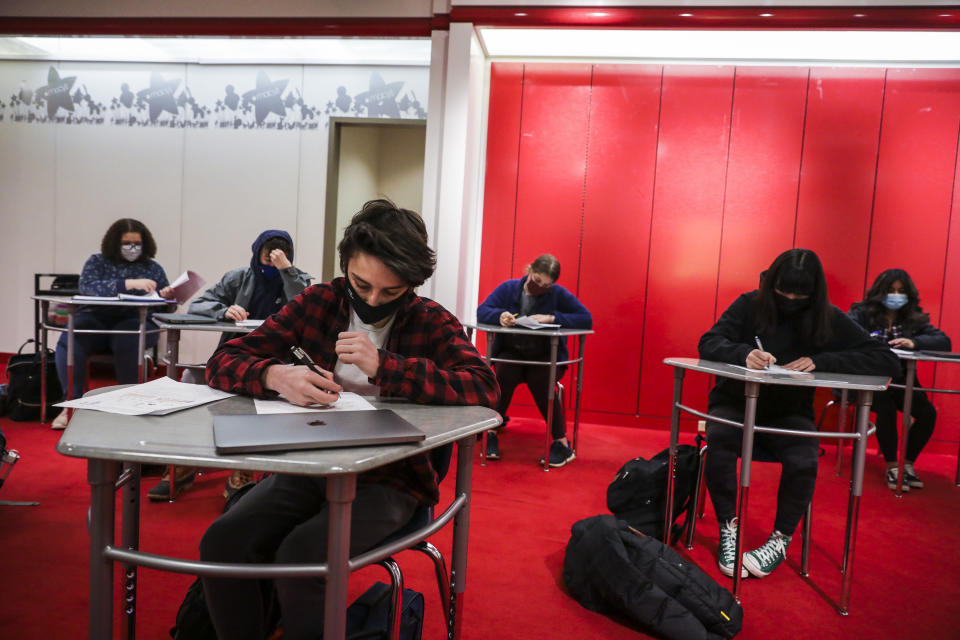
204,191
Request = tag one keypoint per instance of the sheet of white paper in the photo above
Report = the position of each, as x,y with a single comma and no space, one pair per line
347,402
530,323
249,323
153,295
776,369
159,396
903,352
81,298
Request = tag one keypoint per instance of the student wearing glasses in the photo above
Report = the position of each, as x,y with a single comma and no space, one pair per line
125,264
538,296
891,313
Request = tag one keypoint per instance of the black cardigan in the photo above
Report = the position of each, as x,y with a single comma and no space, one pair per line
926,337
849,350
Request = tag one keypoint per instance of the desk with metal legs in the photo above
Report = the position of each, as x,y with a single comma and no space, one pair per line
910,360
554,335
72,306
173,329
116,446
752,380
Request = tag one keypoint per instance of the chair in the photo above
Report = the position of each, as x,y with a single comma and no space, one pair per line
440,460
9,458
760,454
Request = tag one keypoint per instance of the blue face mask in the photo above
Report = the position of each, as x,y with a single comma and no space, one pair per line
269,272
895,301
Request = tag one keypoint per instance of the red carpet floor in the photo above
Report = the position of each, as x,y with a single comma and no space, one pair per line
906,572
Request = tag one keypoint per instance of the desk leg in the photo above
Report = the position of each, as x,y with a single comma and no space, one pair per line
142,345
856,490
341,490
483,437
101,475
551,398
461,529
44,311
842,427
130,539
173,352
672,460
751,391
907,408
576,412
71,326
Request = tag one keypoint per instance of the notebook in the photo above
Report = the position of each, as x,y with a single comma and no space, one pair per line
319,430
184,318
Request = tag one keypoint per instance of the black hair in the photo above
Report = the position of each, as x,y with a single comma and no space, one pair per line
278,243
397,237
547,265
111,242
910,315
797,271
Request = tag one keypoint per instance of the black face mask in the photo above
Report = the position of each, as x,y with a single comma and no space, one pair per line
535,289
787,307
367,313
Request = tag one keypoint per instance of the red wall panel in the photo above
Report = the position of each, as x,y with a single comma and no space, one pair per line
915,174
500,186
837,174
685,237
621,159
760,206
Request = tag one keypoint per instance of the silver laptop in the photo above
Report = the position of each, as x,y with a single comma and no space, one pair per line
315,430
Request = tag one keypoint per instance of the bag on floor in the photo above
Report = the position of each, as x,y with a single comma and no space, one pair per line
368,618
618,571
638,494
23,392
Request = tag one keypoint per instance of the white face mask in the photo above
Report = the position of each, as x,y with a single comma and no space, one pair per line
131,252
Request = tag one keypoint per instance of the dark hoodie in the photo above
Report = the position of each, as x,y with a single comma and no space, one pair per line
267,290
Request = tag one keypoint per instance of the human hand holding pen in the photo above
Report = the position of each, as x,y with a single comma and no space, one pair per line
758,358
508,319
303,385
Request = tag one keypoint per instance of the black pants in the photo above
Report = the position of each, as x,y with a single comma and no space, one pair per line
797,455
886,404
284,519
537,379
123,347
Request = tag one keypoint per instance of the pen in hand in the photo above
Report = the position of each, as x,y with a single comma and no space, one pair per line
760,346
301,356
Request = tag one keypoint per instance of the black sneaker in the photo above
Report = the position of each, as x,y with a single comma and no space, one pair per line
892,480
910,477
161,490
560,454
493,447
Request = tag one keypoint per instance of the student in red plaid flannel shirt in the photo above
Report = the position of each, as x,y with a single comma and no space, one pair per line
369,333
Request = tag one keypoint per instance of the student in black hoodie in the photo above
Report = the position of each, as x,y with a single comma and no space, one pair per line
891,313
800,330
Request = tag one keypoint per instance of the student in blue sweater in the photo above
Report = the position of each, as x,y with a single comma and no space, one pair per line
125,264
536,295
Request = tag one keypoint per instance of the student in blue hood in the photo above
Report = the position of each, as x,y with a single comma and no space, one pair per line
125,264
537,295
891,313
255,292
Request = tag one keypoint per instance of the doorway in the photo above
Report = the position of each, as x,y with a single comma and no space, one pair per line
370,159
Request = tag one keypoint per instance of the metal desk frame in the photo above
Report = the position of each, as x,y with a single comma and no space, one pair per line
910,360
173,329
72,306
117,445
866,385
554,335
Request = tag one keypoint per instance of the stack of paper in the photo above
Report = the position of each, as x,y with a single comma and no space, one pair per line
157,397
529,323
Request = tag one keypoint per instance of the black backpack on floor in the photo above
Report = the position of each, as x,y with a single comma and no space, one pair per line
638,494
23,390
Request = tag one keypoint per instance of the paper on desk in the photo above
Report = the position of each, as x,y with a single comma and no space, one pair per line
530,323
157,397
347,402
903,352
249,323
82,298
140,297
776,369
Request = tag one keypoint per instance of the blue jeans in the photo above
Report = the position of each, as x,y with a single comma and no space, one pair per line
123,348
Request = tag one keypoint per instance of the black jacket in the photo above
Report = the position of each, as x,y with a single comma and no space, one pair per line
612,570
849,350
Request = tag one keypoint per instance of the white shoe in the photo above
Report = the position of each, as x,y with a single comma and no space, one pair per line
60,422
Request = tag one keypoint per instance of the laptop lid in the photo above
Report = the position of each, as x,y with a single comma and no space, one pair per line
184,318
316,430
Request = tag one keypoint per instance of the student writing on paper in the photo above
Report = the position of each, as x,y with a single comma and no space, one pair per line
367,332
538,296
125,264
253,292
792,316
891,313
